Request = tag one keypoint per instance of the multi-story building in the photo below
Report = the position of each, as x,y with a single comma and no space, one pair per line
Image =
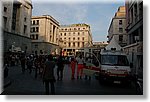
75,38
134,49
100,44
117,27
45,35
97,46
16,25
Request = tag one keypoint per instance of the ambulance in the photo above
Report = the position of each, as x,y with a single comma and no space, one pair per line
110,65
114,66
114,63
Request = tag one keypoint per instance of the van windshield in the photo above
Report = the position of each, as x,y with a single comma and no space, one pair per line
119,60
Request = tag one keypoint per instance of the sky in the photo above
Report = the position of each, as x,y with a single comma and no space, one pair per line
97,13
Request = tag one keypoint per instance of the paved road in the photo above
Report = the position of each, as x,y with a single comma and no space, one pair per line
26,84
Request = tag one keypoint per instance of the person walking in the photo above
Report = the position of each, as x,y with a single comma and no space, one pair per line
29,64
23,63
60,68
36,64
48,75
73,65
80,63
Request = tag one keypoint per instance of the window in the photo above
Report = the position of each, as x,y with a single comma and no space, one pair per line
64,34
135,11
25,28
78,44
64,38
121,38
73,38
5,22
78,38
33,22
15,7
37,22
141,10
69,39
73,44
5,9
120,22
37,29
131,16
82,44
25,19
73,33
32,37
69,44
64,43
83,38
78,33
36,37
78,28
120,30
33,29
50,37
61,34
114,60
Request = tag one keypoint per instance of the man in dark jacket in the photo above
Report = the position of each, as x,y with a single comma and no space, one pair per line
60,68
48,75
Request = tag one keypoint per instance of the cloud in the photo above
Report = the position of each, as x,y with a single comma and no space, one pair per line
80,12
97,15
65,13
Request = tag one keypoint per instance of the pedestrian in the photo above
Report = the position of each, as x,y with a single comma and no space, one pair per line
29,64
73,65
42,64
80,63
48,75
13,60
60,68
36,64
23,63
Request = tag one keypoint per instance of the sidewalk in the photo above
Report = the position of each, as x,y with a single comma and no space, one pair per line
7,82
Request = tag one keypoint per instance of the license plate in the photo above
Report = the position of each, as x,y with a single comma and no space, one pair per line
117,72
117,82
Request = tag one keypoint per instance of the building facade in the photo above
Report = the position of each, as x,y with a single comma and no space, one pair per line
75,38
134,49
97,46
45,35
16,25
117,28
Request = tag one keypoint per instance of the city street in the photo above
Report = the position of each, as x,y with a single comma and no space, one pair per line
26,84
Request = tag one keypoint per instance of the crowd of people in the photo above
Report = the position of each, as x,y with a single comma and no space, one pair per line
44,65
